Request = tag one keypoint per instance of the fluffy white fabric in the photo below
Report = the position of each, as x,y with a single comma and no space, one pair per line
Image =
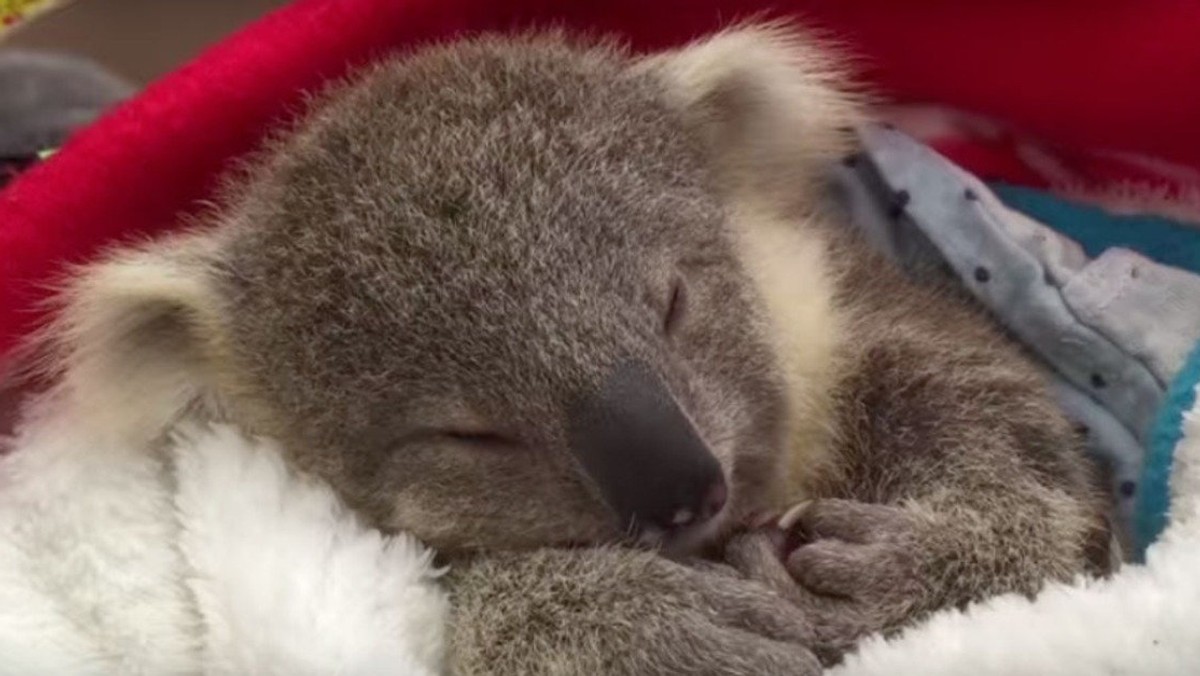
207,558
1145,621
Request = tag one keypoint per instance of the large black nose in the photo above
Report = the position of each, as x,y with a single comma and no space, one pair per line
640,449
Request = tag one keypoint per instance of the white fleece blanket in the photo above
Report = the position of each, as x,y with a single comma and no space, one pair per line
211,558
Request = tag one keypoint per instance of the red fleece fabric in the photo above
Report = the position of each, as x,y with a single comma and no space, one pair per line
1119,75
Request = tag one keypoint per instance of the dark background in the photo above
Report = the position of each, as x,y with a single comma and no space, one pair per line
137,39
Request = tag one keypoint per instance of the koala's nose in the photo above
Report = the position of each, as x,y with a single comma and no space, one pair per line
636,444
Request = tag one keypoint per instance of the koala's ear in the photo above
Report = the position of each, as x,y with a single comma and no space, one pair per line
771,102
136,338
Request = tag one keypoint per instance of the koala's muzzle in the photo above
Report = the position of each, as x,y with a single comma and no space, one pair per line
641,450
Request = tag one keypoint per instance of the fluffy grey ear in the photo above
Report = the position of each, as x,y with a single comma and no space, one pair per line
773,104
136,339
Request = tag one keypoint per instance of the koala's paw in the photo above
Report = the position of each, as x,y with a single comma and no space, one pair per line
743,628
853,551
853,567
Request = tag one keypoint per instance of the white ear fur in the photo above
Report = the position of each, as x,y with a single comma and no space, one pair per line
773,104
135,338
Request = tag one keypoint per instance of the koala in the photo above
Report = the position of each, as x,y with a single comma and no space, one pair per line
583,321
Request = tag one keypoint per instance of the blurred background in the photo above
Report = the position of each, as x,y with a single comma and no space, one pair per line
138,39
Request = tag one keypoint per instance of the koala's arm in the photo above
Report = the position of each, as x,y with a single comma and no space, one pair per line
958,478
618,611
961,433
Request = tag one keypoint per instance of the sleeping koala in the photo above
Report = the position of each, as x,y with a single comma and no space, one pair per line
579,319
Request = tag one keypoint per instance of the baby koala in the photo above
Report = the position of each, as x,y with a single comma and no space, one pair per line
575,317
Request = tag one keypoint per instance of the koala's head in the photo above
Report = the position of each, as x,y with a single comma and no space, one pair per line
497,292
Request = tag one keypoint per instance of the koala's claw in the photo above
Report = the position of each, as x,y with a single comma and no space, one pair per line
847,520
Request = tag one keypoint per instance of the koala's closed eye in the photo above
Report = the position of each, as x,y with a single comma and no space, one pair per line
467,436
481,438
691,274
676,306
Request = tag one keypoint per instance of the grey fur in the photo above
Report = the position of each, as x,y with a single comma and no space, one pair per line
413,288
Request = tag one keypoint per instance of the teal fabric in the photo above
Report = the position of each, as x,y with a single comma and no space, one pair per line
1150,515
1161,239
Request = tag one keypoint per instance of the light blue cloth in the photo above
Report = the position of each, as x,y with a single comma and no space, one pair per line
1111,326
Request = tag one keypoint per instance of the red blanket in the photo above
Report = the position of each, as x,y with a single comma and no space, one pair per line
1119,75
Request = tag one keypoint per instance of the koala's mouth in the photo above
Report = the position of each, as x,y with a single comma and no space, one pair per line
685,542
